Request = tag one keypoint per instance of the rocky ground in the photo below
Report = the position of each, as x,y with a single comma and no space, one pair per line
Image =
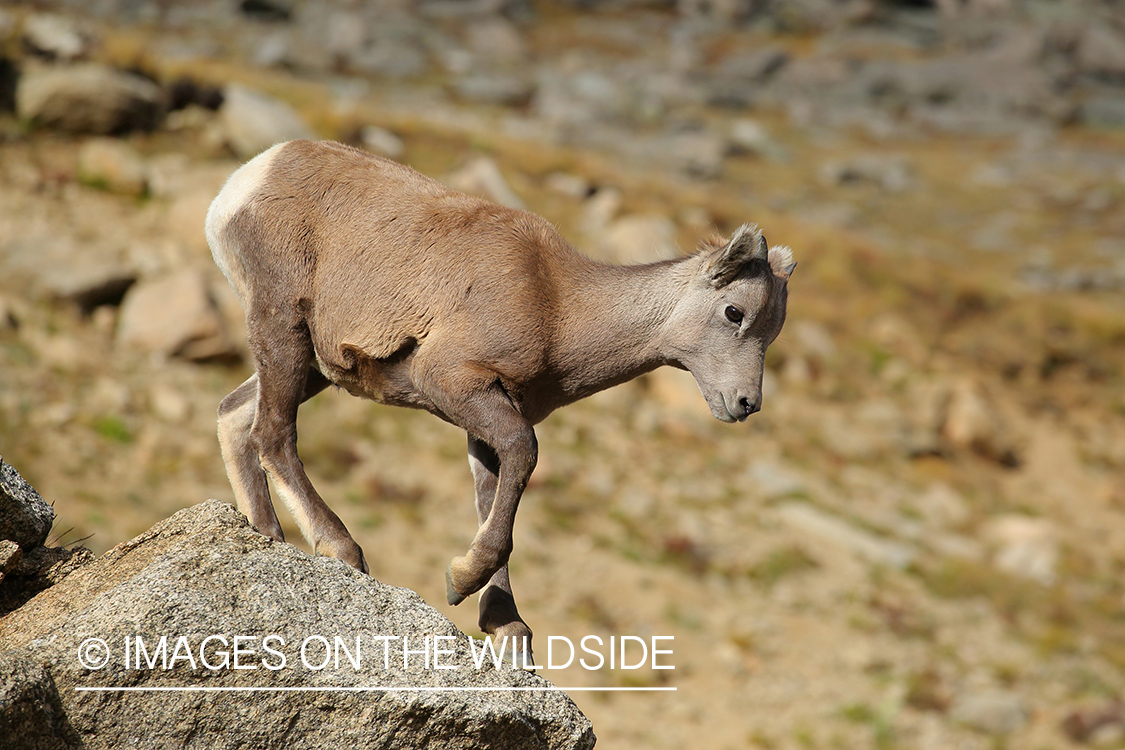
183,583
920,541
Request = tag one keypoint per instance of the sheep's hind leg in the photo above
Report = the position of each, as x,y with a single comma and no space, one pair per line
498,614
251,492
283,364
248,480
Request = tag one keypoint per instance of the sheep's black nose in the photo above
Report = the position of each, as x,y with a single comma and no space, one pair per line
749,407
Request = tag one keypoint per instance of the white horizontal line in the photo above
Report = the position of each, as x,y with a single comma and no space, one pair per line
371,689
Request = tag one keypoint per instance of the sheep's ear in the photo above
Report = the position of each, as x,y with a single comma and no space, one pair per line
781,262
745,245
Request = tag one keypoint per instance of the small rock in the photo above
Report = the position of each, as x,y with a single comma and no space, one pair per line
1019,45
600,209
482,177
1101,52
722,10
90,283
191,118
1103,112
972,422
187,215
750,137
25,518
507,89
114,165
1108,736
755,66
942,506
104,319
970,8
55,37
771,480
167,170
390,57
464,9
267,10
274,50
807,519
995,712
169,404
345,33
1025,547
382,142
697,154
496,41
642,238
108,396
254,121
892,174
51,564
456,60
570,185
992,175
62,351
89,98
519,126
579,99
53,416
10,557
176,317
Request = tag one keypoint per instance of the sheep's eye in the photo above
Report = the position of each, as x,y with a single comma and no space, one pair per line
734,315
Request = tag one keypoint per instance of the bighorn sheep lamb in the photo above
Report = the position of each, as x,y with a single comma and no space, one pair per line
357,271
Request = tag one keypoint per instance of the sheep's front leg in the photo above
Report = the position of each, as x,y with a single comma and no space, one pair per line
474,400
498,614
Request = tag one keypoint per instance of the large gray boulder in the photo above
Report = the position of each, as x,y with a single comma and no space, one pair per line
89,98
25,518
206,572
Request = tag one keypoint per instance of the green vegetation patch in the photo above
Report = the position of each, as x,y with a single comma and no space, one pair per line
113,428
780,563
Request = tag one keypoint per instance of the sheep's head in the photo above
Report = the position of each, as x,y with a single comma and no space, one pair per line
734,309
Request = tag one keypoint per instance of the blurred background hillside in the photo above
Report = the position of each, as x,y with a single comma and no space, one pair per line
919,542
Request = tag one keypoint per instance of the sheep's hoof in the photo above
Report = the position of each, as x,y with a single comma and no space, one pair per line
524,660
451,595
522,656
